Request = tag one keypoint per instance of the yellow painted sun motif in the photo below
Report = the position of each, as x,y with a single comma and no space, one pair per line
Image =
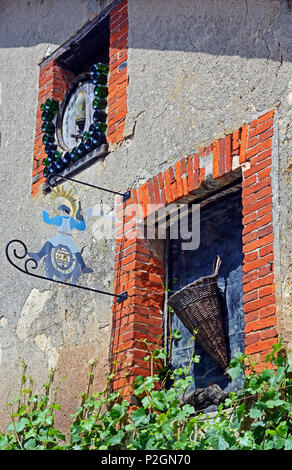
61,196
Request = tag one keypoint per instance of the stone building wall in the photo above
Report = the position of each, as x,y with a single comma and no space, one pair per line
197,71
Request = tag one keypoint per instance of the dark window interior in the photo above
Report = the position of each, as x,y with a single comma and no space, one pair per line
88,49
220,234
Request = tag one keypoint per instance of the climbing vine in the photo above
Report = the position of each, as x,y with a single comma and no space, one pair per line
257,417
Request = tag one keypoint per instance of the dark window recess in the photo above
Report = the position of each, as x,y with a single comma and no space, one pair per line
220,234
74,130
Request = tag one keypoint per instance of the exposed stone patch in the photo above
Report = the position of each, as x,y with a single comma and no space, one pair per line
3,322
51,353
32,307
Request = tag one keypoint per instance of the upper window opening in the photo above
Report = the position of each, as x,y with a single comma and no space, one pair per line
91,47
74,130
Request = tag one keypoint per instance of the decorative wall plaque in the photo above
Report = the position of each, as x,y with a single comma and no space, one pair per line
75,129
62,258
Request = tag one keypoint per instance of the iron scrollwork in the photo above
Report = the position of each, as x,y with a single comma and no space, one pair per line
31,264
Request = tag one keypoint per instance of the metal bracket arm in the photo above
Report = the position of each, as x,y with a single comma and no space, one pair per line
120,297
125,195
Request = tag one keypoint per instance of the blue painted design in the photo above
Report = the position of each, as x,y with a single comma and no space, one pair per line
65,226
221,233
62,258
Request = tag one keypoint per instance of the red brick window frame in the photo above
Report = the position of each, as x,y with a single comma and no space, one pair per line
118,75
54,81
140,272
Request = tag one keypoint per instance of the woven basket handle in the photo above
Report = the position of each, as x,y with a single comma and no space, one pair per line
216,265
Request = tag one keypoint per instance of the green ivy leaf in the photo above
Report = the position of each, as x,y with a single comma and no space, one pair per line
279,442
176,334
275,403
19,425
140,418
255,413
282,429
31,433
289,369
159,400
146,384
116,439
33,399
77,447
258,429
269,445
56,406
4,443
78,411
30,444
188,409
117,411
240,411
288,443
146,402
246,442
160,354
196,359
266,374
234,370
218,442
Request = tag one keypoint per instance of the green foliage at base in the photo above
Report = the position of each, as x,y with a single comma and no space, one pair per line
257,417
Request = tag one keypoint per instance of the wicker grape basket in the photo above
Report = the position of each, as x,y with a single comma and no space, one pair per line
198,307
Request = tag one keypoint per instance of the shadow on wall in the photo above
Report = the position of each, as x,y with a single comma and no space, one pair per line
248,28
28,23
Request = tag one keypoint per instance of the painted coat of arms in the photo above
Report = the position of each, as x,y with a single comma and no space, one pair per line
61,256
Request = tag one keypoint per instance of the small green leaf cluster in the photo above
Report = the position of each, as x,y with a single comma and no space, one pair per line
32,419
257,417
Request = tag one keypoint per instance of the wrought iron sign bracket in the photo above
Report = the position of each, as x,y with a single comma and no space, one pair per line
125,196
30,261
33,258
